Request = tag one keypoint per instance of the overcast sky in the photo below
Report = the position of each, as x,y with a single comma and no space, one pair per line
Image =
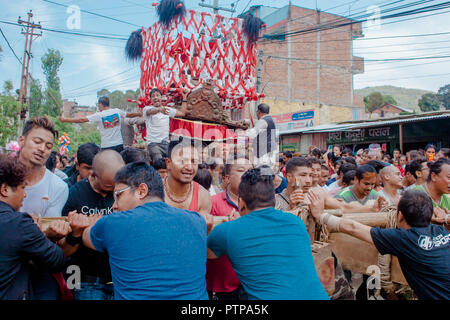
93,64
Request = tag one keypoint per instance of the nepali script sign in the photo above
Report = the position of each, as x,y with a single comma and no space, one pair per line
363,135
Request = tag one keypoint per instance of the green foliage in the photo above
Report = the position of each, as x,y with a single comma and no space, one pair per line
444,96
405,97
429,102
8,118
373,101
78,133
36,98
7,87
51,62
389,99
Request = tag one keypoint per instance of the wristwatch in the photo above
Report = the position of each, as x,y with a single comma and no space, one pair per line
73,241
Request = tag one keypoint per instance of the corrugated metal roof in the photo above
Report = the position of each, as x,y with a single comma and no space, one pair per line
371,123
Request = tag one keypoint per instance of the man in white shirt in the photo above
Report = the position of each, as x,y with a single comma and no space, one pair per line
46,192
157,124
108,123
263,135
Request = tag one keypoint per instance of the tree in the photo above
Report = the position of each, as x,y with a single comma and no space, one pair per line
444,96
7,87
36,98
51,62
429,102
8,115
389,99
373,101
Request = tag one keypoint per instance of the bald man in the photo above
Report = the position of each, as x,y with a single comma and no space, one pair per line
391,178
94,196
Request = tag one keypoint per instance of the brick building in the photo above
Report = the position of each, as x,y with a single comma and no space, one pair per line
312,70
71,109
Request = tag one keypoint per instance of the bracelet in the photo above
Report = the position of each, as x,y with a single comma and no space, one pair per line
73,241
184,100
446,218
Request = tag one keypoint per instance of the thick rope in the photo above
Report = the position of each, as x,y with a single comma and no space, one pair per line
384,261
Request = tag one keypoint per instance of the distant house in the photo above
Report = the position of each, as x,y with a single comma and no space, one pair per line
71,109
388,111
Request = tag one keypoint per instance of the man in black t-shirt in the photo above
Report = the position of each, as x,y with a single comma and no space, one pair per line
423,249
94,196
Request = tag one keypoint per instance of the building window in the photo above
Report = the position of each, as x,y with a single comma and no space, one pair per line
382,113
355,114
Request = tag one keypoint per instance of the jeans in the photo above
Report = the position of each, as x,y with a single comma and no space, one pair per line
94,291
158,150
118,148
238,294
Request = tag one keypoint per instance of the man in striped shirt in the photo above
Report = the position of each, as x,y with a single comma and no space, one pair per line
363,190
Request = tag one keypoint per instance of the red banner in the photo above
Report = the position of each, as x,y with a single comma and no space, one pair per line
200,130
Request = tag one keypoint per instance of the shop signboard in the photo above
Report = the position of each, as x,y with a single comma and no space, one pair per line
379,134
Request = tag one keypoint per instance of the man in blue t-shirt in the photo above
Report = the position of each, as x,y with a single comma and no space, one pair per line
423,249
155,251
269,249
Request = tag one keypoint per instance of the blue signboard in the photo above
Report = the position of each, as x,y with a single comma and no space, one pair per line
303,115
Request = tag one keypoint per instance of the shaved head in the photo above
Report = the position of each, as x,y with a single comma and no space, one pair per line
107,162
386,171
391,174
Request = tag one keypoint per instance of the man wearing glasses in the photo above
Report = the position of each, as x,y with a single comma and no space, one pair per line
156,251
94,197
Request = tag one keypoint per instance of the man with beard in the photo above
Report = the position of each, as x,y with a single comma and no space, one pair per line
299,178
362,191
179,188
437,188
46,192
392,183
93,197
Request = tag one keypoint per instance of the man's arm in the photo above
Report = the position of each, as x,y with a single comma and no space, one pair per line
333,203
348,226
253,132
38,248
205,202
155,110
87,238
73,120
94,222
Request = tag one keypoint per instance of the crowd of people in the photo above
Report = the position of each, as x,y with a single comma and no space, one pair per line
179,221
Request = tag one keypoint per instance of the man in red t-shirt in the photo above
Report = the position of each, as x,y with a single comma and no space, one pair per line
222,282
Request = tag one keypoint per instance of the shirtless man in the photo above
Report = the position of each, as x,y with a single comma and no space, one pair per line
179,188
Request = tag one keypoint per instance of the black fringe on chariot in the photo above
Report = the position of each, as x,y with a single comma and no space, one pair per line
252,27
133,49
169,10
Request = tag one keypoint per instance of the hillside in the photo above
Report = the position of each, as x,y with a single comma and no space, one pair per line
406,98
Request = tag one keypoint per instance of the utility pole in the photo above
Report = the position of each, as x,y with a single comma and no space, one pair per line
216,7
29,34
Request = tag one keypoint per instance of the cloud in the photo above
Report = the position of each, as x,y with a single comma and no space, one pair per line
421,74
